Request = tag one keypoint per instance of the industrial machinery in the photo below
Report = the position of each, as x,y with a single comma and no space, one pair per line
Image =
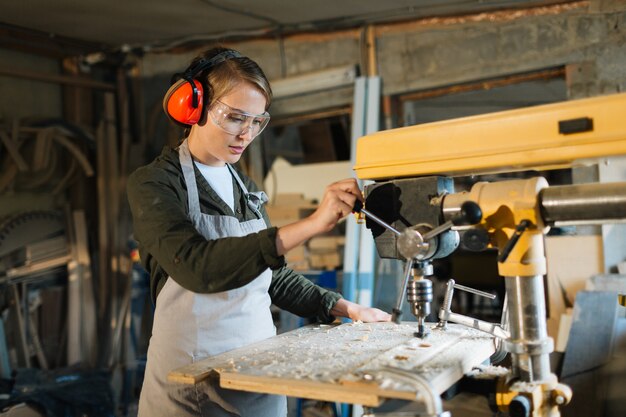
416,215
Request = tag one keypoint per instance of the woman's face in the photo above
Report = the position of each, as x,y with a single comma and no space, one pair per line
211,144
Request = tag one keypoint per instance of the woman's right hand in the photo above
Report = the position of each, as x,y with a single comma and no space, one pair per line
338,202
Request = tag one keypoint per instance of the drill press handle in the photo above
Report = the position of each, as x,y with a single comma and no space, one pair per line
469,214
358,208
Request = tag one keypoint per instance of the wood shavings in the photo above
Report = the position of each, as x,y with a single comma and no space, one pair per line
488,371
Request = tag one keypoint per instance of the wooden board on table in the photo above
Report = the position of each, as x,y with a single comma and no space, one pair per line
350,363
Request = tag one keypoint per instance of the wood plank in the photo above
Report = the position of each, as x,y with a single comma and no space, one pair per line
314,390
350,363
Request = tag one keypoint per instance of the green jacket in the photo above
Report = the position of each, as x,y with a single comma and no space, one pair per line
169,245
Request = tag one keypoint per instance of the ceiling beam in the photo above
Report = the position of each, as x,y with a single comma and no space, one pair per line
44,44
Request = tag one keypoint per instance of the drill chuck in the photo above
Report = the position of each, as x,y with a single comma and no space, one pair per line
419,294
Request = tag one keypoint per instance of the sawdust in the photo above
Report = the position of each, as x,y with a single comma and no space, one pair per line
487,371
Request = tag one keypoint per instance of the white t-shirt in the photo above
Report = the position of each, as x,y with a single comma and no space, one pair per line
220,179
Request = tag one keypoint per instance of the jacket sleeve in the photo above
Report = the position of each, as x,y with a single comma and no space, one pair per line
296,294
158,203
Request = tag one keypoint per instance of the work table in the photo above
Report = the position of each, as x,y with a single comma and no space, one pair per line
358,363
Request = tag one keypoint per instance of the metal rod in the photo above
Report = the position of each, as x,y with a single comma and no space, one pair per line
437,230
446,306
397,312
447,299
380,221
425,395
491,328
474,291
501,352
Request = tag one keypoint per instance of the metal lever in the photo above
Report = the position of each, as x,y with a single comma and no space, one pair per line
470,213
358,208
474,291
411,243
519,229
397,311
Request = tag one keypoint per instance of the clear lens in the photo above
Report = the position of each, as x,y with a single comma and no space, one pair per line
237,122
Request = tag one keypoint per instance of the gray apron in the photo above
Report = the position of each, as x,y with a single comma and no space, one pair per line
189,327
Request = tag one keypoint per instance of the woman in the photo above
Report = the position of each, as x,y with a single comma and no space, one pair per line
215,264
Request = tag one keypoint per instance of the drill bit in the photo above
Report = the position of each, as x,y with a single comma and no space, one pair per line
422,330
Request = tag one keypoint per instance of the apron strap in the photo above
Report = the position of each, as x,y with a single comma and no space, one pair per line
186,163
254,200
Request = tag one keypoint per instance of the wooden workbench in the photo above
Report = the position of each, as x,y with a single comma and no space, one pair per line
348,363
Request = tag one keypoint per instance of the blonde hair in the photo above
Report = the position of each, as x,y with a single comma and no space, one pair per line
220,79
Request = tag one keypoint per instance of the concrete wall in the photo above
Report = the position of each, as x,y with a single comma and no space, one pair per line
502,44
587,37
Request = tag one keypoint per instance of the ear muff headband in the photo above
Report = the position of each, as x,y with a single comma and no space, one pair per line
183,101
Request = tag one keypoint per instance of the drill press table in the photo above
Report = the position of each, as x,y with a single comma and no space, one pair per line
349,363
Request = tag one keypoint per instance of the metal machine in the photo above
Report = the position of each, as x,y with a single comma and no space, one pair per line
416,215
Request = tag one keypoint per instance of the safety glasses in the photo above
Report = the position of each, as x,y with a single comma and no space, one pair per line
237,122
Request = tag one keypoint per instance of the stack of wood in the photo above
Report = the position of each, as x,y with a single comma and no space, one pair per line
321,252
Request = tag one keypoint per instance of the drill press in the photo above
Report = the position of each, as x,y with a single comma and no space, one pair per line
418,245
414,168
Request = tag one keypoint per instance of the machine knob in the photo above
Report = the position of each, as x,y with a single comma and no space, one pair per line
358,206
475,240
520,406
469,214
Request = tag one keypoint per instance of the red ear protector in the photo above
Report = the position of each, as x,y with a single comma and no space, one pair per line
183,102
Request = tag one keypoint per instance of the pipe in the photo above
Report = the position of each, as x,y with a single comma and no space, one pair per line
424,395
529,343
578,204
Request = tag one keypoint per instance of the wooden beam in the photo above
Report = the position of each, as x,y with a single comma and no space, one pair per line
57,79
485,85
44,44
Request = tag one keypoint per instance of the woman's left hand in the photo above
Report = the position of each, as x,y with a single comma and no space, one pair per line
357,312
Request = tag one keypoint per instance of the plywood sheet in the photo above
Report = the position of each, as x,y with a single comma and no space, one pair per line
351,363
